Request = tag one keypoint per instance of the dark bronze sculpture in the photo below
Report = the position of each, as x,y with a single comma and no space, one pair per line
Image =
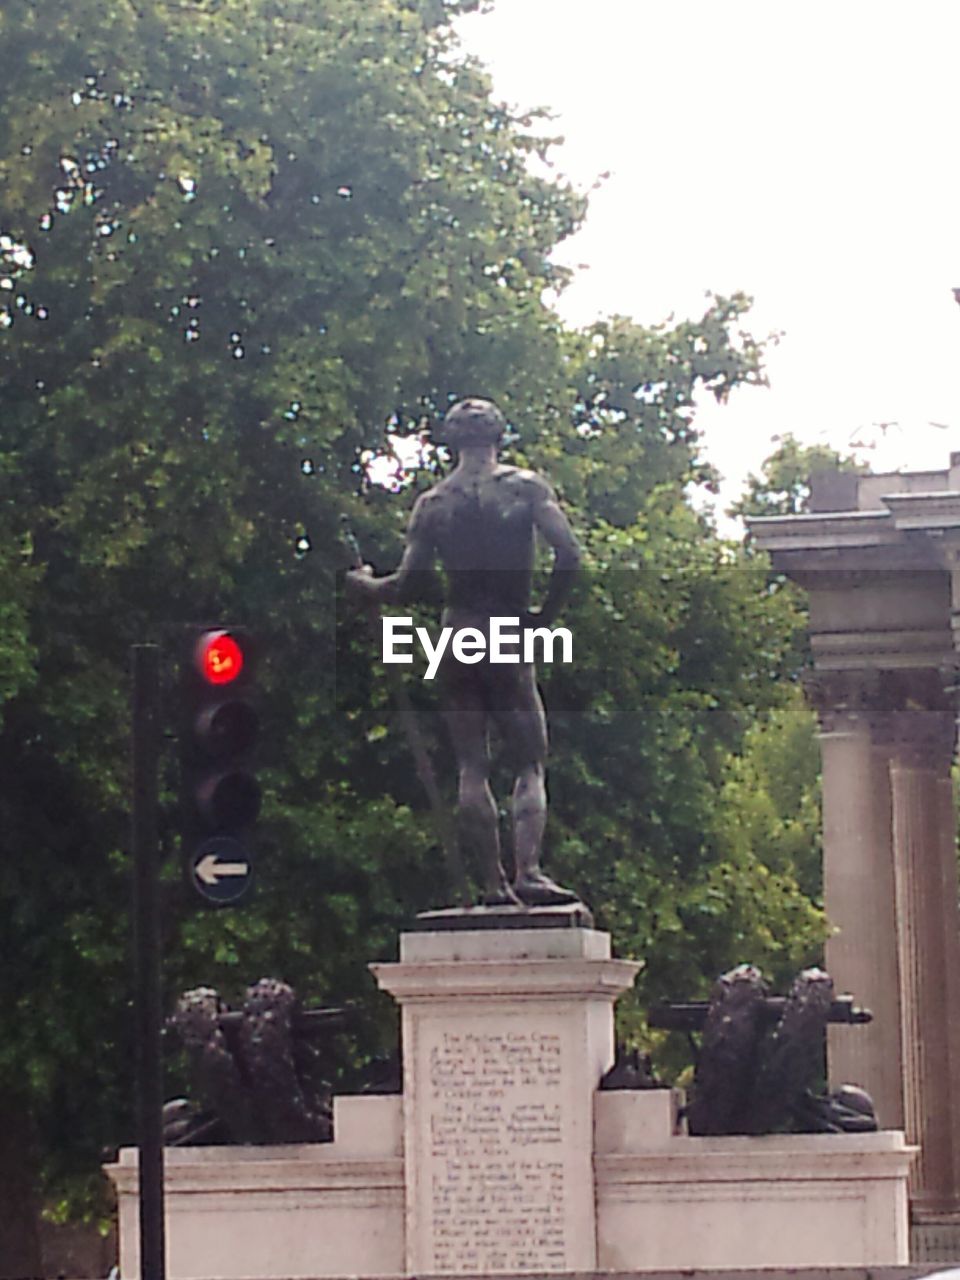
631,1070
254,1073
481,522
760,1056
262,1074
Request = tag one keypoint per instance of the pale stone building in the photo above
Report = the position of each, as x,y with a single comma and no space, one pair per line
879,559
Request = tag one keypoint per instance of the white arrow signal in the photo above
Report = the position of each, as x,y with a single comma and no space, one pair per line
211,870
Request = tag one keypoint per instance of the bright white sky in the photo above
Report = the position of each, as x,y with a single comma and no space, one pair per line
804,151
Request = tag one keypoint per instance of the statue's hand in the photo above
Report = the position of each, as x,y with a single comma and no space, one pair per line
361,584
532,618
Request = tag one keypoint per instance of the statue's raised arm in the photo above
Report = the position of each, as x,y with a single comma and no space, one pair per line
415,570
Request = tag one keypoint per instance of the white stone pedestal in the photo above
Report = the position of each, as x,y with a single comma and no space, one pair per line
668,1202
506,1033
280,1213
502,1157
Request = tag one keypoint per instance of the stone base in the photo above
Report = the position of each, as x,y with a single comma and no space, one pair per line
666,1201
574,916
506,1034
280,1213
504,1158
936,1243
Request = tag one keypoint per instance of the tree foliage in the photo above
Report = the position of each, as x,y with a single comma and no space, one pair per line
783,486
238,237
243,239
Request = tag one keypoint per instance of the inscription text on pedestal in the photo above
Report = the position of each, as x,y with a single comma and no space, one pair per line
497,1194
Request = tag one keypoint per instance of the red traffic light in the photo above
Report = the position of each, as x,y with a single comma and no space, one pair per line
218,657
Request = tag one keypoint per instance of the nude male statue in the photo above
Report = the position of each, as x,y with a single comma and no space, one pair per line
481,521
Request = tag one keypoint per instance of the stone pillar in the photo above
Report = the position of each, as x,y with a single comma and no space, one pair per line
950,899
861,953
929,946
505,1033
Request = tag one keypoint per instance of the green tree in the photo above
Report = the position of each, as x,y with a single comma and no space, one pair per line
680,646
686,647
783,486
241,239
237,238
771,795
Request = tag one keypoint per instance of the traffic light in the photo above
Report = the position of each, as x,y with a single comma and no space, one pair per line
220,796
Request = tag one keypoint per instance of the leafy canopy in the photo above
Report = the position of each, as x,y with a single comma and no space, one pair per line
241,239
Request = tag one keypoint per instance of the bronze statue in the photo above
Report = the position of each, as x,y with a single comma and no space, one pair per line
481,522
253,1074
760,1056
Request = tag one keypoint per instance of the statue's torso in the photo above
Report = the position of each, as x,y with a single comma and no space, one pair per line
484,531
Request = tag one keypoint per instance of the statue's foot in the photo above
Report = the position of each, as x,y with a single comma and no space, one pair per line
501,896
534,889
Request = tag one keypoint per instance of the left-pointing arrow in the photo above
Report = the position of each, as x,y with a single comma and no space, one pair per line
210,869
221,869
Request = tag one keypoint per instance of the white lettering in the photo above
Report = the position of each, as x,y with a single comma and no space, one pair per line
549,638
434,654
469,645
390,639
498,638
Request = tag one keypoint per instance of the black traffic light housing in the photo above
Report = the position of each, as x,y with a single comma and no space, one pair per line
220,795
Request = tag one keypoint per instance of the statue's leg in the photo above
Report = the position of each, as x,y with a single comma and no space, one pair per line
478,825
520,717
529,817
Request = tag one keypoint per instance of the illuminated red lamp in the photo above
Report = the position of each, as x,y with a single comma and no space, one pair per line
218,657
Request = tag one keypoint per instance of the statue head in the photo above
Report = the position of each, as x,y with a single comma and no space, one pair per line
472,422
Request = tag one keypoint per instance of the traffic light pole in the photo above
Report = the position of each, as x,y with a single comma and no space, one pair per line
146,860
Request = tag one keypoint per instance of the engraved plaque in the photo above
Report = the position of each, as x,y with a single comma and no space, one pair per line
499,1143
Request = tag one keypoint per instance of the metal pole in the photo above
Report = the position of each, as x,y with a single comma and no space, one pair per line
146,858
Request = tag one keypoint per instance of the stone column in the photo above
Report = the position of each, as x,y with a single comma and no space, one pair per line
505,1033
950,898
929,947
861,953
